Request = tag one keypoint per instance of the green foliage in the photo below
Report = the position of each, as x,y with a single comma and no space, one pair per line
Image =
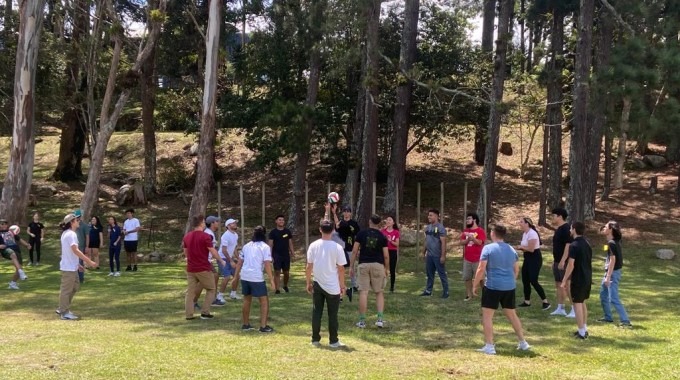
178,110
173,175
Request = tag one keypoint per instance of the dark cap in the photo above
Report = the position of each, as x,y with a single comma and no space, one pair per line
211,219
346,208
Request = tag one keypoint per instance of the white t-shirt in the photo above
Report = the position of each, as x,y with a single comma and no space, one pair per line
129,225
325,256
214,241
254,254
529,235
69,260
230,240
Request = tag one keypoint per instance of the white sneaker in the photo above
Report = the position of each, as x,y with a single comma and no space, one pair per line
235,296
337,344
523,346
571,314
559,311
69,316
117,274
489,350
380,323
316,344
22,275
13,285
110,274
361,324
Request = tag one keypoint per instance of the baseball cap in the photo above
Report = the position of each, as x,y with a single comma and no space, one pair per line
347,208
3,220
77,213
211,219
230,221
68,218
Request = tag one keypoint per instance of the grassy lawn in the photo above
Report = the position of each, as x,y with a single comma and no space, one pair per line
134,327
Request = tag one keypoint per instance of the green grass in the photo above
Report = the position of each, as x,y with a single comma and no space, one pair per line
134,327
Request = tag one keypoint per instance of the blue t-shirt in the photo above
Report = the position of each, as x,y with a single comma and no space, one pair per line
500,266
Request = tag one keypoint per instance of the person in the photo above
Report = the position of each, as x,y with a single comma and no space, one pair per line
370,251
95,239
70,265
212,224
326,262
580,272
131,228
561,241
609,290
82,231
472,239
533,261
115,236
347,229
228,244
9,248
500,263
36,232
391,233
197,245
435,253
281,244
253,257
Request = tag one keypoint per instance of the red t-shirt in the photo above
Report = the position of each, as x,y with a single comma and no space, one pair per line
197,244
472,251
391,236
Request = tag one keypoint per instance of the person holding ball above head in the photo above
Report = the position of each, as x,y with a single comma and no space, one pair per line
579,276
609,291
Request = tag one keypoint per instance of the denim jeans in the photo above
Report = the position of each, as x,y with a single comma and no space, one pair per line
610,296
320,297
433,264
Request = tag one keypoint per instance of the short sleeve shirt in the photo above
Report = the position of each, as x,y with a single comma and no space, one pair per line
197,245
326,256
69,260
581,252
230,240
254,255
129,225
561,238
36,229
280,242
613,248
371,243
114,234
500,266
391,236
433,234
528,236
348,230
472,252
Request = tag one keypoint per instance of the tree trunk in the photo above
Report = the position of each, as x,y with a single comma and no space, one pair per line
542,212
74,132
369,152
576,200
148,98
17,185
554,115
499,72
522,32
402,108
317,20
354,155
107,122
621,158
606,188
595,131
92,61
481,129
206,144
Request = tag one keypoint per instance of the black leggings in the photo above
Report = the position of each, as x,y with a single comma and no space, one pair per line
393,268
530,271
35,245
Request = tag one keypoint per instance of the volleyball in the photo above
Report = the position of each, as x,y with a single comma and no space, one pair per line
333,198
14,229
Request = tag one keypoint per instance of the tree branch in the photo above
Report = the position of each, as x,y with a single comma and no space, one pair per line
193,18
617,16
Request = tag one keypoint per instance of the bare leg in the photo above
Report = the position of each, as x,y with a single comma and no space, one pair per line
379,301
277,279
247,300
487,324
511,314
363,301
286,277
223,285
264,311
468,288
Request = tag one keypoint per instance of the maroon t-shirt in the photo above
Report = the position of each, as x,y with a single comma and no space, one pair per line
197,244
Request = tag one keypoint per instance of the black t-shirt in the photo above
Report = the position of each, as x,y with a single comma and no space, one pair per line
614,250
580,251
561,238
348,230
35,229
280,239
371,243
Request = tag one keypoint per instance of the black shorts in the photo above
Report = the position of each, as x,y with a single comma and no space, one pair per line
580,292
492,298
557,273
94,244
281,262
130,246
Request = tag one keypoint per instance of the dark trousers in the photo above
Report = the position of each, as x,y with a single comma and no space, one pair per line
393,268
35,246
333,301
114,254
530,271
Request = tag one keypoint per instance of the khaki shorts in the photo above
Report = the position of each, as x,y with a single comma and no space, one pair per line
372,277
469,270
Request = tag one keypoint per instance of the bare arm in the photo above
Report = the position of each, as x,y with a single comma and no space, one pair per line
268,269
290,248
531,246
442,239
386,257
610,270
479,276
565,256
216,256
567,273
76,251
354,256
341,278
516,269
101,239
308,276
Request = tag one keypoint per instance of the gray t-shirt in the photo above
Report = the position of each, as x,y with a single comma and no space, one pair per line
433,244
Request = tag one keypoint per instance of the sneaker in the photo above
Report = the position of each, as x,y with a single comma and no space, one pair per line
523,346
571,314
581,337
545,306
316,344
380,323
69,316
235,296
30,264
117,274
190,318
13,285
425,294
111,274
266,329
605,320
58,312
134,268
337,344
247,328
129,268
218,302
559,311
445,295
197,306
277,291
37,264
285,289
625,325
361,324
22,275
207,316
467,298
524,304
349,293
489,350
